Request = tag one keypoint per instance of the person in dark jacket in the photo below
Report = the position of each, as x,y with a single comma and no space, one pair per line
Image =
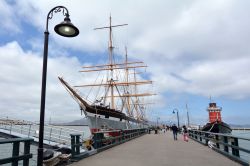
175,131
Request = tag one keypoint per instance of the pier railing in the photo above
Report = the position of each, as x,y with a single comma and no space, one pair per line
102,142
226,144
52,134
15,152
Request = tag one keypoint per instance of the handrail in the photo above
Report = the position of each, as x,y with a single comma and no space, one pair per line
15,153
226,144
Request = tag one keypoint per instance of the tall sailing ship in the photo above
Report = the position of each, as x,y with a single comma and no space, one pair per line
120,106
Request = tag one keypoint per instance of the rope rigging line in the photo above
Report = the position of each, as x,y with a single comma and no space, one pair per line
98,91
94,83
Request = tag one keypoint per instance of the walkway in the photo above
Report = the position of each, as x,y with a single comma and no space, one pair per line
158,150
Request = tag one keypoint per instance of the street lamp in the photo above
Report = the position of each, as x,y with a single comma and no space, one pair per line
157,120
177,112
66,29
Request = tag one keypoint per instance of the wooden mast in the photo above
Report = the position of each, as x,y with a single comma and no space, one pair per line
127,99
136,98
111,81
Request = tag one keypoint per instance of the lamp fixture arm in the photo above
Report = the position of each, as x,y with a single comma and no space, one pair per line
56,10
177,113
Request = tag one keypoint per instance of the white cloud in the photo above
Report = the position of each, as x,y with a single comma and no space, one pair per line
8,18
220,78
20,84
194,47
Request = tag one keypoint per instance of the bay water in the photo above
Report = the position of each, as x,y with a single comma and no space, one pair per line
243,143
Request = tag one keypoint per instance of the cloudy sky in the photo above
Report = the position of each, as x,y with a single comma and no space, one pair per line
194,49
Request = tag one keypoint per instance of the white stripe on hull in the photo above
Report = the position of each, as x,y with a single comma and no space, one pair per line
100,122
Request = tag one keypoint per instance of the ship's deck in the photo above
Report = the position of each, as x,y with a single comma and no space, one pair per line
158,150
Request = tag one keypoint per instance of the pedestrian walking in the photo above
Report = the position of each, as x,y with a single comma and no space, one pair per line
185,133
175,131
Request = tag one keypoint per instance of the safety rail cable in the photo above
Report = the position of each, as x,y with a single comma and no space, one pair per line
51,133
34,133
7,120
65,130
47,135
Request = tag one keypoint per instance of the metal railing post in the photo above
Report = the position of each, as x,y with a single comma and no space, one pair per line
50,134
29,131
123,136
225,140
235,151
26,152
78,144
217,140
15,153
75,144
190,133
60,133
195,136
21,128
206,138
10,127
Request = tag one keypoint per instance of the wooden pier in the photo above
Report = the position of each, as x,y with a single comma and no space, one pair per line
158,150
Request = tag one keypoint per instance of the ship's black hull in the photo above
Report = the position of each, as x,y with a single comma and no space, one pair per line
107,112
105,118
217,127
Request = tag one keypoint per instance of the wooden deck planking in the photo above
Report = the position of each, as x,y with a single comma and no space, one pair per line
158,150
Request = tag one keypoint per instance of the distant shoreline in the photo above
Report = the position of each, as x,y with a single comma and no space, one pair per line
241,128
67,125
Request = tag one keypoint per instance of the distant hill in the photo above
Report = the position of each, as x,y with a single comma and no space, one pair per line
239,126
80,122
83,122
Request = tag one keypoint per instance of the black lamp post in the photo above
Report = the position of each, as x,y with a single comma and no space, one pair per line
157,120
66,29
177,112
